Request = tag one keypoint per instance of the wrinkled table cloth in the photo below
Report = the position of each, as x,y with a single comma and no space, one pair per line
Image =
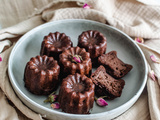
134,18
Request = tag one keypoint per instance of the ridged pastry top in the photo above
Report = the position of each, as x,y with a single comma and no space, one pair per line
57,41
43,64
76,94
83,67
93,41
79,85
41,75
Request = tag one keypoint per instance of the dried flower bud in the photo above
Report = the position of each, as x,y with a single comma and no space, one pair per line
86,6
154,59
0,59
139,40
152,75
101,102
51,98
76,58
55,105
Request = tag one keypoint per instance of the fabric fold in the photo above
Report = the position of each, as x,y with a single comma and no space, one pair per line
3,44
130,16
153,87
8,90
21,28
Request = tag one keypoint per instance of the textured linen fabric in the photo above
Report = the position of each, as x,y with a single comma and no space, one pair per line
130,16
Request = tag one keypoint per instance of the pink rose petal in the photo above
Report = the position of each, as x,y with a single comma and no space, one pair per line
154,59
86,6
77,59
101,102
51,98
0,59
139,40
152,75
55,105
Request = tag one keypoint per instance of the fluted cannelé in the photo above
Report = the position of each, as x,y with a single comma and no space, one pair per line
76,94
41,75
54,43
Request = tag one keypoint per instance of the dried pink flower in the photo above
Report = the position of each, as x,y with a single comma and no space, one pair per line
101,102
152,75
139,40
55,105
76,58
154,59
51,98
0,59
86,6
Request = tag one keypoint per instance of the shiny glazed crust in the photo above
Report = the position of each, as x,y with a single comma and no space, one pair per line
95,49
76,102
70,67
54,44
41,75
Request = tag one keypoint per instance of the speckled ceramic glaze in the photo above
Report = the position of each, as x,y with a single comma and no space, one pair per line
127,50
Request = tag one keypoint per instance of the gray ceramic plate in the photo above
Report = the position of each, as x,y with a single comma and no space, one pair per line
29,46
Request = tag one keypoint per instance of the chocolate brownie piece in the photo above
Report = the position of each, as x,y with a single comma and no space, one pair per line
106,85
114,66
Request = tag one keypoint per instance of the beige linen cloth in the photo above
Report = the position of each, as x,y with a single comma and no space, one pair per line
136,19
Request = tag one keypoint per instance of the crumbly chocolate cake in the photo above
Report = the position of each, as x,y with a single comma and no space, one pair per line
106,85
114,66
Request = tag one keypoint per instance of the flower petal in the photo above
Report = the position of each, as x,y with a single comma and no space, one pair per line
152,75
139,40
86,6
51,98
154,59
76,58
55,105
101,102
0,59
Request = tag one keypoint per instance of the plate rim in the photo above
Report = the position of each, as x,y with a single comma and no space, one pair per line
17,89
